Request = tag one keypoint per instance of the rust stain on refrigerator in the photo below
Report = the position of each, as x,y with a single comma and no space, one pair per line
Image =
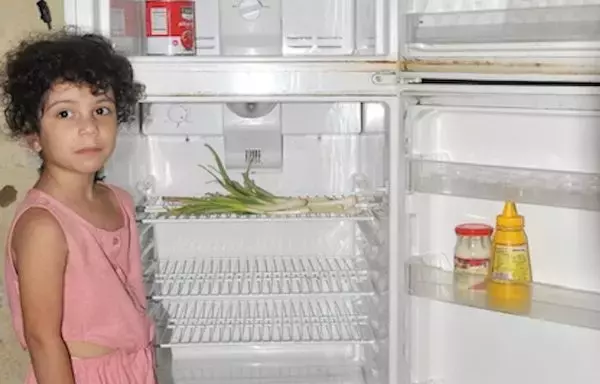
497,67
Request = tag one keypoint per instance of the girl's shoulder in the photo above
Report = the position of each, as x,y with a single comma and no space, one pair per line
36,211
33,198
122,195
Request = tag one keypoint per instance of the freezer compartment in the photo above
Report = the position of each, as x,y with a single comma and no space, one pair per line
432,277
502,28
247,28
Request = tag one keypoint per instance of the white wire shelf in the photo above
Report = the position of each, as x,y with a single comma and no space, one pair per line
194,322
551,303
156,210
523,185
258,276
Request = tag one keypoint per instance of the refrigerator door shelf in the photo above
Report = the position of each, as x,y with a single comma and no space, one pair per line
429,277
524,185
551,37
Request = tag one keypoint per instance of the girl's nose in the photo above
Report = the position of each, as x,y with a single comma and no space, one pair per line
88,125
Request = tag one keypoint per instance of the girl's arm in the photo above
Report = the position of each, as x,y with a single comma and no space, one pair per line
40,250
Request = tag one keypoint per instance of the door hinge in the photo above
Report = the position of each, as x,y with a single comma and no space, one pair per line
385,78
393,78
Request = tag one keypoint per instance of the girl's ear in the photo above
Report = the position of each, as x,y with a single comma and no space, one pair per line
33,142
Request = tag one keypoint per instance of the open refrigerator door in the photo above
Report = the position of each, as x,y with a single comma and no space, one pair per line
295,295
523,38
469,149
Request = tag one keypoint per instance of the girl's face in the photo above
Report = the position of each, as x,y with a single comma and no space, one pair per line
77,129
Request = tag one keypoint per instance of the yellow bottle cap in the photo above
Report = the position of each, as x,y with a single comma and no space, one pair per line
510,218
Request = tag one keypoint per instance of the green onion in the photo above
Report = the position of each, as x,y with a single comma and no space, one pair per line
247,198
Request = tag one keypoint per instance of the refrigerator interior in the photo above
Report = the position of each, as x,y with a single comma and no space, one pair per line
492,29
319,298
261,28
288,299
469,148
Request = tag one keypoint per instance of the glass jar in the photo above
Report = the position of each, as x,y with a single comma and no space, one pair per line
471,257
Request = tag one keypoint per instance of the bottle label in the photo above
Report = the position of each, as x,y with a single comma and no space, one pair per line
511,263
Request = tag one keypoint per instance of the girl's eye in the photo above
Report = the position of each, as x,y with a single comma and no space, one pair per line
64,114
103,111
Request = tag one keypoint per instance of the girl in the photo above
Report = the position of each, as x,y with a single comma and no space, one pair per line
73,267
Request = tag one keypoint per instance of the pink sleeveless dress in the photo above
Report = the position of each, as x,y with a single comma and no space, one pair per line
104,298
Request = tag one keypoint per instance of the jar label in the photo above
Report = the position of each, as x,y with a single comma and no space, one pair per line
170,27
511,263
470,263
469,272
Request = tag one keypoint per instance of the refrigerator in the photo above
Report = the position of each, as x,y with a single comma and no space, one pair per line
431,113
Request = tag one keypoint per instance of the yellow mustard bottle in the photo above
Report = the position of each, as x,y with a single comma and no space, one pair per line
509,275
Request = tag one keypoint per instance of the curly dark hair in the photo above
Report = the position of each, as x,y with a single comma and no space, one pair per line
39,62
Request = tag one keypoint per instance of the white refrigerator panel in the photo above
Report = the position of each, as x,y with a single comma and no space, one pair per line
333,151
469,148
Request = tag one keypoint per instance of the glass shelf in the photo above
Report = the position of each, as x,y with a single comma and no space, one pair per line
523,185
546,302
155,210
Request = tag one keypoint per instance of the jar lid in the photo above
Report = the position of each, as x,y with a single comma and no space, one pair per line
473,229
